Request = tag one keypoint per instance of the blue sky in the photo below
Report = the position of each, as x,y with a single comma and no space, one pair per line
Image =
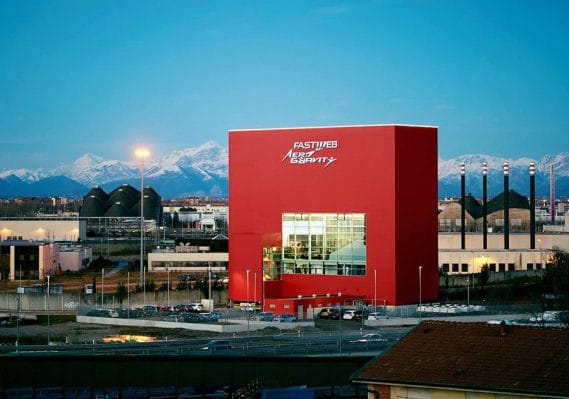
102,76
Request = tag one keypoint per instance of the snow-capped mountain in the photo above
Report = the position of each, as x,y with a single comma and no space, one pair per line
202,170
193,171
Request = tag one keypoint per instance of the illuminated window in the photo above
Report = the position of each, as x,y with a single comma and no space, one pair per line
323,243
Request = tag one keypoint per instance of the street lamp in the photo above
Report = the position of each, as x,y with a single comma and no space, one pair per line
128,294
102,287
247,308
209,287
468,290
18,321
168,286
420,293
48,337
375,290
340,322
142,153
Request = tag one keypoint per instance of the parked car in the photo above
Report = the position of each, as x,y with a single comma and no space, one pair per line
210,317
150,309
285,318
371,338
377,316
263,316
217,344
103,313
353,315
196,307
190,317
329,313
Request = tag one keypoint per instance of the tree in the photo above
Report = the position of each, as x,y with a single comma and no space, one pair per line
556,282
121,293
484,276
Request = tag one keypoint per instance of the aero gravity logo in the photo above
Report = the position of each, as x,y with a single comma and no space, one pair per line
307,152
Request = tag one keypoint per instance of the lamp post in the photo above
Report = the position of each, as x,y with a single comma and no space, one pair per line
142,153
48,337
340,322
18,321
128,294
102,287
468,290
255,293
209,286
247,308
420,293
375,290
168,286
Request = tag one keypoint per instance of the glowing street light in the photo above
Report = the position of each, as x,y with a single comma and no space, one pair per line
142,153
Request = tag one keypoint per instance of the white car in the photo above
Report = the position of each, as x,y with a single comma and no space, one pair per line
372,338
377,316
349,315
196,307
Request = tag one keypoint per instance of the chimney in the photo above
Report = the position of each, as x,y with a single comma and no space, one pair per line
484,205
532,205
506,206
462,206
552,193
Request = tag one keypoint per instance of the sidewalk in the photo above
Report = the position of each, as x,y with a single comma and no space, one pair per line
412,321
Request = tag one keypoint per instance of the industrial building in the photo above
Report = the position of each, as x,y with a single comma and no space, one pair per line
328,215
117,214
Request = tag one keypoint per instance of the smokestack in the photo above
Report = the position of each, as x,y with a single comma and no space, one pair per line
532,205
484,205
552,194
462,207
506,206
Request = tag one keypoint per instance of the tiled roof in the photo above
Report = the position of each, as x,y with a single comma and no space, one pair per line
476,356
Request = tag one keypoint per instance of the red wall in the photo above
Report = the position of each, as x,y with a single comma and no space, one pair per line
387,172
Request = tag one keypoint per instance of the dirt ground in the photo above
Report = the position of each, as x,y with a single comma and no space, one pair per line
72,332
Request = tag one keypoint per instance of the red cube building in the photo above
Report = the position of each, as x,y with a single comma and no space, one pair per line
327,215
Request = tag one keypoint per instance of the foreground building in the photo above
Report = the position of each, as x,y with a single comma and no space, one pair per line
471,360
328,215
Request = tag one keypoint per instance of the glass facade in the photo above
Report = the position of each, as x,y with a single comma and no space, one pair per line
323,243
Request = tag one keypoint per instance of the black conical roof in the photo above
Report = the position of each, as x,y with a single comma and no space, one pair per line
92,207
149,191
152,208
515,201
122,195
473,207
98,193
118,210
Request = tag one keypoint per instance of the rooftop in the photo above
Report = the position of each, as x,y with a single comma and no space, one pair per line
477,357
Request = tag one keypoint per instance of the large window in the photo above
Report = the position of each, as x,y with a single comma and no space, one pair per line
324,243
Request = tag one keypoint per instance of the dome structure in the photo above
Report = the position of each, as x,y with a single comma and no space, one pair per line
122,202
98,193
118,210
92,207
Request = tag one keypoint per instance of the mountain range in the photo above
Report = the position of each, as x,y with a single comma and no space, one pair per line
203,171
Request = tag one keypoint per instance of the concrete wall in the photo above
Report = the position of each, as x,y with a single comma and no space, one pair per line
38,229
496,241
177,260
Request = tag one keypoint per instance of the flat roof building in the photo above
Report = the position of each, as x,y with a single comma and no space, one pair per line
330,214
